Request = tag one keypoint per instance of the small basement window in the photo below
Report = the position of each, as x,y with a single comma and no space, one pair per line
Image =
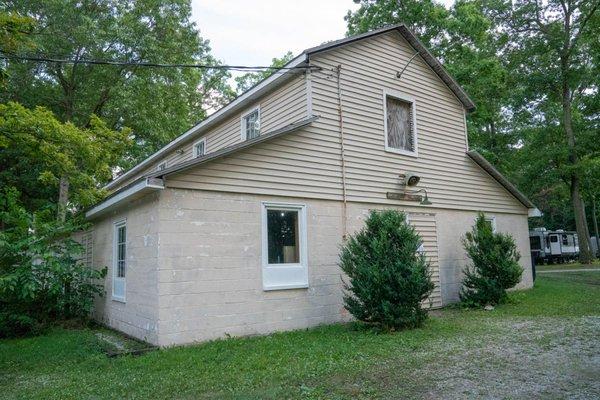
400,123
199,148
251,124
284,246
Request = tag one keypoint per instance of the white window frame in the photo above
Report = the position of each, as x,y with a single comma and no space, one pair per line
285,276
195,145
161,166
116,226
410,99
243,122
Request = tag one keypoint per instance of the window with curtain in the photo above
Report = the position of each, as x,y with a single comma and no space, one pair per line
399,121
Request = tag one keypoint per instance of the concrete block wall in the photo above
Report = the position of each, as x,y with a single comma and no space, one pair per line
138,315
452,226
209,263
195,269
210,271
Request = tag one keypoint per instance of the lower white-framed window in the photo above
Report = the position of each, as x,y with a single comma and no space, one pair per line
284,246
119,269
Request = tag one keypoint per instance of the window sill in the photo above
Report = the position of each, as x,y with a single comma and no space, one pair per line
402,152
118,299
285,287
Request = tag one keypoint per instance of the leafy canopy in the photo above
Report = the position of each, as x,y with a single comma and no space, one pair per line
36,150
246,81
156,103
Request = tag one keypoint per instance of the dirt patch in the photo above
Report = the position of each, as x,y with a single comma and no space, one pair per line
519,359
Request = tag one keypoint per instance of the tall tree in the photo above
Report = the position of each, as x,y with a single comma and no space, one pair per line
156,103
551,46
14,35
37,150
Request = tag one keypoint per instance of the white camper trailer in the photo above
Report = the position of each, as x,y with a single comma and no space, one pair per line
553,246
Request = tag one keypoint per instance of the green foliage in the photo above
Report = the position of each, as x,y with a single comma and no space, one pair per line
13,324
14,31
156,103
389,279
246,81
494,265
37,149
41,274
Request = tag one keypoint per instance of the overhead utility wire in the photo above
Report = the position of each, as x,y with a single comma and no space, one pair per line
148,64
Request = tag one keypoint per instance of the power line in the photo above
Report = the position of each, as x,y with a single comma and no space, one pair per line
149,64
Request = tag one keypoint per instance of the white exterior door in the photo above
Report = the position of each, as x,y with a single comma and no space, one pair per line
555,248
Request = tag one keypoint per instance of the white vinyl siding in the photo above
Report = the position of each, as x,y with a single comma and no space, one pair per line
307,163
400,126
284,105
119,261
284,246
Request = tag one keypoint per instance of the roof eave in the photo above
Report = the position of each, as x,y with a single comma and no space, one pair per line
410,37
512,189
238,103
125,195
234,148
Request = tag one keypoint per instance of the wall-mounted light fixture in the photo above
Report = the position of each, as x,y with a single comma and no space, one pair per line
424,199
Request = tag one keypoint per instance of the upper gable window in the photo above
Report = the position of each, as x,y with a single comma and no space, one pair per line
199,148
251,124
400,123
162,166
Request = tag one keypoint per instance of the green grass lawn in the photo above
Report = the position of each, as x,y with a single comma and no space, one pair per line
543,344
575,265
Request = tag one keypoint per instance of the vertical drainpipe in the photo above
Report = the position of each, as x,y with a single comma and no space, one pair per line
342,154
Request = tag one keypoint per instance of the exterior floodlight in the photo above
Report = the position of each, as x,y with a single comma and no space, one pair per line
411,179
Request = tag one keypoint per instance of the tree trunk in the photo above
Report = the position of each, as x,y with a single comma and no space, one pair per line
595,221
63,198
585,255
